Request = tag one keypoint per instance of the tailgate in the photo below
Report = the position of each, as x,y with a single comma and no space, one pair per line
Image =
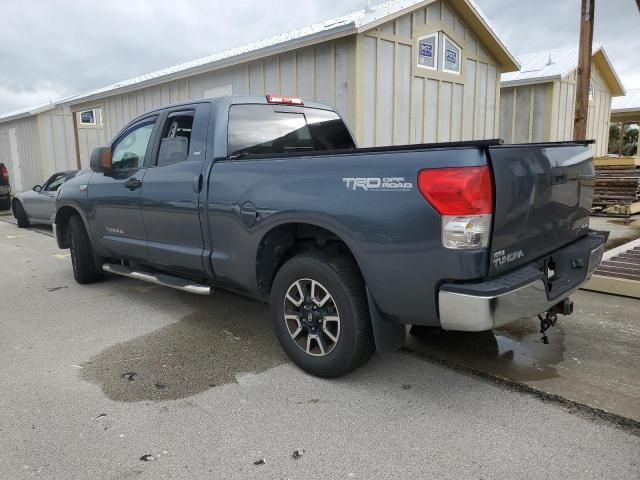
543,196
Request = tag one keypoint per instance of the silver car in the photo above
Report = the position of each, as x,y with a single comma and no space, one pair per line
37,205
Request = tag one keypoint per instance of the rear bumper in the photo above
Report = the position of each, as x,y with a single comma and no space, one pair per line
521,294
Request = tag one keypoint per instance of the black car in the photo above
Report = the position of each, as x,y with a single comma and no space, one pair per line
5,188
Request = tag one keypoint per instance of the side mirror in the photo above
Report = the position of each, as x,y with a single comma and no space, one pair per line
101,159
37,188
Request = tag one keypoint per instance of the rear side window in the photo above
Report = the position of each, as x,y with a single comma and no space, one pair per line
328,130
176,138
266,130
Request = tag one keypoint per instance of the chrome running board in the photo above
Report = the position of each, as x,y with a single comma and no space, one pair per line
158,279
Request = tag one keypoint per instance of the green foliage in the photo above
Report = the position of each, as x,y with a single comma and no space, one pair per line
629,142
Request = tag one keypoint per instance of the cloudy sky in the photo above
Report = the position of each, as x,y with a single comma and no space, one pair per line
50,49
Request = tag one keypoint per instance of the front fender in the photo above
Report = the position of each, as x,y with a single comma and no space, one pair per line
65,209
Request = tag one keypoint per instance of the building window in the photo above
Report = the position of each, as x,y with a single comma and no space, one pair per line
428,51
88,117
592,90
451,54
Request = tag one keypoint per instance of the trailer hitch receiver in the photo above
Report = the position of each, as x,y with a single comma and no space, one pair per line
549,320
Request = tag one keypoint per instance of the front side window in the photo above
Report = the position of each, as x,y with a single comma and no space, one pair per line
450,55
176,139
54,182
49,181
428,51
130,150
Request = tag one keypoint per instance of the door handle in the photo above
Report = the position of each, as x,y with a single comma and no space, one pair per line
133,184
197,183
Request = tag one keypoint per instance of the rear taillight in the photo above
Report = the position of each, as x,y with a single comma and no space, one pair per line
4,173
464,198
284,100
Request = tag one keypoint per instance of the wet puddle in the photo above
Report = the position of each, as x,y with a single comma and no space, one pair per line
514,351
201,351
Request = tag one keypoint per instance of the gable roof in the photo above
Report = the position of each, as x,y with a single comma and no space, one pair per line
549,65
355,22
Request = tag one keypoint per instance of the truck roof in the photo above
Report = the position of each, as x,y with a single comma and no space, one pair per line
239,100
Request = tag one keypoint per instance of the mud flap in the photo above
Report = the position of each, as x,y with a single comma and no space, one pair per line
389,336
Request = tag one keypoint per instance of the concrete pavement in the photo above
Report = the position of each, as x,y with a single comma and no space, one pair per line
96,378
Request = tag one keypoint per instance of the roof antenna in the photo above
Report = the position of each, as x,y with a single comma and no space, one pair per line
550,61
369,8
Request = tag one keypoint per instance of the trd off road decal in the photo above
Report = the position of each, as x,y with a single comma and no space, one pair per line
377,184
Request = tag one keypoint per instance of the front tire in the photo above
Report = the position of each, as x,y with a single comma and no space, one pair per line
82,258
21,215
320,314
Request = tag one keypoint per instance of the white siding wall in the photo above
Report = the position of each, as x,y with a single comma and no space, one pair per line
121,109
399,103
27,152
525,112
90,137
545,112
599,114
319,73
57,140
599,111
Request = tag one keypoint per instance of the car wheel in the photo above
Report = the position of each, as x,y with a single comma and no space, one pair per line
21,215
82,258
320,314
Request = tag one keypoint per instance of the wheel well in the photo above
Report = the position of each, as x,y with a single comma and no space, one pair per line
62,224
286,241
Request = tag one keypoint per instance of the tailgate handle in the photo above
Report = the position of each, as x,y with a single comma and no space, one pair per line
558,175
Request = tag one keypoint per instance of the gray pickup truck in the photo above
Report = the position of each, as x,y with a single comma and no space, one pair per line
270,197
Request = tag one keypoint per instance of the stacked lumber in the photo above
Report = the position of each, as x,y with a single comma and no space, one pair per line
617,189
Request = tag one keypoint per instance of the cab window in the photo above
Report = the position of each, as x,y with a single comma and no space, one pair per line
130,150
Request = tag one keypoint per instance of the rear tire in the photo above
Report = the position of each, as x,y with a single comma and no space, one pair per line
21,215
329,333
82,258
5,204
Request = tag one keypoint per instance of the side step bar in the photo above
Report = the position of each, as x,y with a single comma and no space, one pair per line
159,279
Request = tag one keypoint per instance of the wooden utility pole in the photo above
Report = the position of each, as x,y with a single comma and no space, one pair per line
584,70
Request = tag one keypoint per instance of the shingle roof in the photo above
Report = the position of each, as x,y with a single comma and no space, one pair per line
630,102
351,23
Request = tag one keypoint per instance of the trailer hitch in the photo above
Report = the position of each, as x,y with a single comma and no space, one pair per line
551,317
